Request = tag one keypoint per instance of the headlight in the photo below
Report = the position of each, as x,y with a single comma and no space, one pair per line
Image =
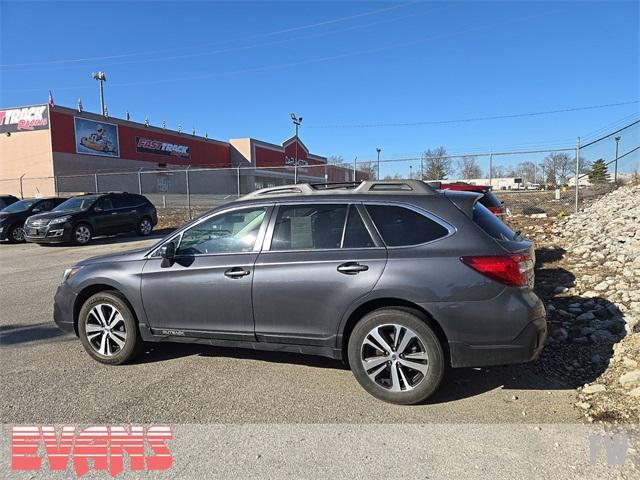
70,272
60,219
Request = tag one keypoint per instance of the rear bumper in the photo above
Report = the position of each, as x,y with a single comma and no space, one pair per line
525,347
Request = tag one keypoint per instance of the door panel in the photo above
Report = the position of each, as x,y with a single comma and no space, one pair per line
195,294
300,297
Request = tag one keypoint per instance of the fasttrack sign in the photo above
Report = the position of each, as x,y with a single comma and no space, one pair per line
146,145
24,119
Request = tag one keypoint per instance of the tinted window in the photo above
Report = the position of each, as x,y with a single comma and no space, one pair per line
304,227
400,226
491,224
75,204
105,203
127,201
232,232
21,206
45,205
356,234
489,199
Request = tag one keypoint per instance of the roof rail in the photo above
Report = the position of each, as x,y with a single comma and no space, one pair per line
364,187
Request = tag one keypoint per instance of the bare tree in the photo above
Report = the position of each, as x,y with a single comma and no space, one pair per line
437,164
468,168
369,169
526,170
395,176
335,160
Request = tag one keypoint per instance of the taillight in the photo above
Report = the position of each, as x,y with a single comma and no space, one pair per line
515,269
496,210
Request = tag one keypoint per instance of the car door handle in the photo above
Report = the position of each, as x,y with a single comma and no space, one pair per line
236,272
352,268
114,213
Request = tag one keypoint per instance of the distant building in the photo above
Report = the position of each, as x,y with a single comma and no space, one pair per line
500,183
38,142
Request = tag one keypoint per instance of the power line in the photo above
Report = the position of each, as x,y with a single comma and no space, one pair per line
620,157
268,34
609,134
476,119
299,63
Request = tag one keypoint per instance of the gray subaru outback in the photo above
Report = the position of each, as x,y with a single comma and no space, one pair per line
397,279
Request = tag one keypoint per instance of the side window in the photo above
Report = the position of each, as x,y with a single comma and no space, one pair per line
232,232
356,234
45,206
105,203
305,227
124,201
400,226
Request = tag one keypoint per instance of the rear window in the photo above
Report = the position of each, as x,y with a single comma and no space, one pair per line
491,224
489,199
401,227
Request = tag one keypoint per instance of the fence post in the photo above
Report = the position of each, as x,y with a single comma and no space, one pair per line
139,182
21,192
95,175
238,173
577,170
55,185
188,193
490,167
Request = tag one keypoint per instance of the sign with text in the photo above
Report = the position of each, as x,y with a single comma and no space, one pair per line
147,145
24,119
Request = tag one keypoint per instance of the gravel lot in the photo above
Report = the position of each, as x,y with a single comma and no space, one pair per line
48,378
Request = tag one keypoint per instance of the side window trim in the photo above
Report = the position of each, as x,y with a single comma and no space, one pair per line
256,248
450,228
377,240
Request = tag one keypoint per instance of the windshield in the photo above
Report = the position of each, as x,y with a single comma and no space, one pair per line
75,204
21,206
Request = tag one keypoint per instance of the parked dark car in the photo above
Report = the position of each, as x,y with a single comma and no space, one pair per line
83,217
6,200
393,277
489,199
12,218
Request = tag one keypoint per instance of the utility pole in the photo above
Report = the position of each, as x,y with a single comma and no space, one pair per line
378,150
615,175
490,167
296,121
101,77
355,162
577,170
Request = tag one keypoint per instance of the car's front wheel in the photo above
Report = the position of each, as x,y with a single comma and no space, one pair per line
396,356
81,234
107,329
16,234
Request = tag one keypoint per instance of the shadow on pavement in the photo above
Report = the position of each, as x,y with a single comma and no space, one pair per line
20,333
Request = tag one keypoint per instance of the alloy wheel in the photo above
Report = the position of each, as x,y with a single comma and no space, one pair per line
145,226
18,234
83,234
394,357
105,329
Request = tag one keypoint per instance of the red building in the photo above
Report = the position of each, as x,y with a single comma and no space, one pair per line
39,142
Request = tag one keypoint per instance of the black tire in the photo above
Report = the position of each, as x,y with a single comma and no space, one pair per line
16,234
84,239
88,320
145,227
423,382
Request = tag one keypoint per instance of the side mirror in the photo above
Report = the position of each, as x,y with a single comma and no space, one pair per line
168,253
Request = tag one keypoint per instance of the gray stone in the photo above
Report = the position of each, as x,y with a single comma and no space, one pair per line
595,388
630,377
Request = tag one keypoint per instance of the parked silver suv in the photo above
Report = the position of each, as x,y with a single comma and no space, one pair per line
393,277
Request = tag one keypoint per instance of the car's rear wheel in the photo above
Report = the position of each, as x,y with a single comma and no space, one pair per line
396,356
16,234
107,329
145,226
81,234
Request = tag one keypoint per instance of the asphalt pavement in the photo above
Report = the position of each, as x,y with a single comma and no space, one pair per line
47,378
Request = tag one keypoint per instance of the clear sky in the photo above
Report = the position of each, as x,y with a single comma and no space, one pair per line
238,69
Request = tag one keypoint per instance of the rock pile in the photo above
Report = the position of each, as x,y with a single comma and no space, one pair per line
589,278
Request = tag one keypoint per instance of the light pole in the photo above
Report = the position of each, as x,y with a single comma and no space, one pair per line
615,175
410,172
296,121
101,77
378,150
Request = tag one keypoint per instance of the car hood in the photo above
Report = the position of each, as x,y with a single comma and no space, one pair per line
131,255
51,215
12,215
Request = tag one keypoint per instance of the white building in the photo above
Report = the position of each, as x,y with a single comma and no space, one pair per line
500,183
